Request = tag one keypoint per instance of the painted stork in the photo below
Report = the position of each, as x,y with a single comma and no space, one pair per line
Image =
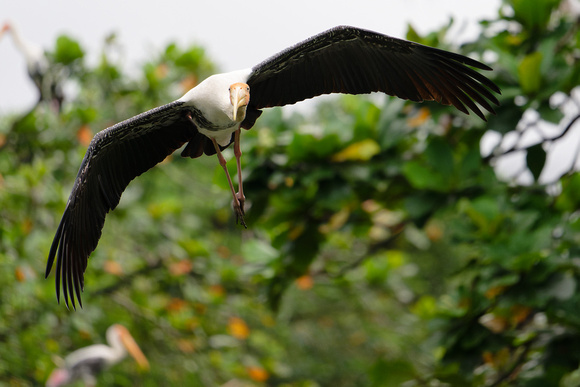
208,119
37,66
85,363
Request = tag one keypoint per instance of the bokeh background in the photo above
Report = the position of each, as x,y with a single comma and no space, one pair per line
389,243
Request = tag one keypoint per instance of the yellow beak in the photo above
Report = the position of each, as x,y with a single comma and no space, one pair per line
239,97
133,348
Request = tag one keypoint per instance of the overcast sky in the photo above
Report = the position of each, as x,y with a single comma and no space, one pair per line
236,34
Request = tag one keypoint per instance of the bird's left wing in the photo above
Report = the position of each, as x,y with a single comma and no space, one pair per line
115,157
356,61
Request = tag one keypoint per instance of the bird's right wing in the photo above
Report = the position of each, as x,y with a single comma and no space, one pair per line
115,157
355,61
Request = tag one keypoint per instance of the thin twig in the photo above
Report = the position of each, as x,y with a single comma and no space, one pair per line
517,148
516,364
127,279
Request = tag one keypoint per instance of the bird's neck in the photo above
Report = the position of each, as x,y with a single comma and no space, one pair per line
30,51
118,349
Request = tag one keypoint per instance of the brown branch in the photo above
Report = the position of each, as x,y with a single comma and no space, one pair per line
517,148
515,365
127,279
371,250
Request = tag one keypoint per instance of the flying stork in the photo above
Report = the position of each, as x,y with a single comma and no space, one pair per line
85,363
208,118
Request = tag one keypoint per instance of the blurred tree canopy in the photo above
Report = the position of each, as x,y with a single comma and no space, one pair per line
389,243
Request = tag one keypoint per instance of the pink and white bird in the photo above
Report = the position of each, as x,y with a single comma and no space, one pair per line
85,363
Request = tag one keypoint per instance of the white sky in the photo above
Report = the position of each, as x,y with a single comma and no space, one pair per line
236,34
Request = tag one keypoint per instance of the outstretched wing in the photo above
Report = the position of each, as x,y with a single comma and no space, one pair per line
355,61
115,157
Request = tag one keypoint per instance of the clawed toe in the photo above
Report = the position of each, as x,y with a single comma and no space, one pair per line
239,210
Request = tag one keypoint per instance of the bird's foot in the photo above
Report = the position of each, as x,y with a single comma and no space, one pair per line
240,215
242,200
239,202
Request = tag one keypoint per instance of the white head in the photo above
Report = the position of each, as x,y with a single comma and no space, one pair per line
5,28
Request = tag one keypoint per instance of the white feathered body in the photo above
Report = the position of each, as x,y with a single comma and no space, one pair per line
216,107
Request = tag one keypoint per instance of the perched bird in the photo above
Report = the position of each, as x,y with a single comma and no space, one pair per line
85,363
208,119
37,66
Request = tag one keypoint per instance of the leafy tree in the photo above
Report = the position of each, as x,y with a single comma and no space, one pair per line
387,244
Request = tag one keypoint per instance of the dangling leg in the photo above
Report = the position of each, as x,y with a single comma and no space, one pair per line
237,207
239,198
238,154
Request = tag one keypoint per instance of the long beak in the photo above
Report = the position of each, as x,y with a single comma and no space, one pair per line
239,98
235,102
133,348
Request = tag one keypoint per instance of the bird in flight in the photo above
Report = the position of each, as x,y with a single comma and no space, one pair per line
209,117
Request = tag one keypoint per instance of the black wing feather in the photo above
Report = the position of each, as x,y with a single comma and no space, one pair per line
355,61
115,157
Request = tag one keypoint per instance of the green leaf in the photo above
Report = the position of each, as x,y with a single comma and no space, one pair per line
440,156
506,118
551,115
67,50
536,159
307,146
529,73
569,199
191,59
484,212
390,373
256,251
359,151
420,203
470,164
534,14
422,177
412,34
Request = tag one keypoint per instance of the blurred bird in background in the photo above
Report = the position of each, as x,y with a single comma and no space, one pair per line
86,363
46,76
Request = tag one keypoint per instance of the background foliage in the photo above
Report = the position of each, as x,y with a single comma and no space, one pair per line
385,245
